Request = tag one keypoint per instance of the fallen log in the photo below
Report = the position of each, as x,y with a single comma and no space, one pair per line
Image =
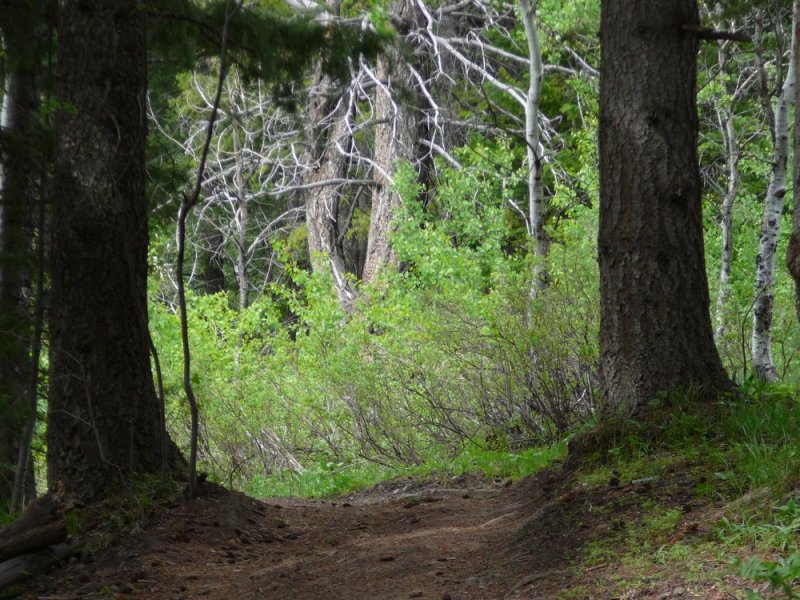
31,540
22,567
43,511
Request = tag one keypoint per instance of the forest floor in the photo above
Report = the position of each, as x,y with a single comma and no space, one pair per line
552,535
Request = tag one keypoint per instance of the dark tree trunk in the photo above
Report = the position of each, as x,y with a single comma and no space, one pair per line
18,196
103,419
655,332
210,255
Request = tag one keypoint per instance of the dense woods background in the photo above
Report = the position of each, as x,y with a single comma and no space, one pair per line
391,259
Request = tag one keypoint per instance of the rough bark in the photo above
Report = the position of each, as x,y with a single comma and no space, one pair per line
394,142
104,421
761,341
793,250
655,330
326,134
18,195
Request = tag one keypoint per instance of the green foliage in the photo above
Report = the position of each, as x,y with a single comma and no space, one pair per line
449,354
779,574
498,463
436,358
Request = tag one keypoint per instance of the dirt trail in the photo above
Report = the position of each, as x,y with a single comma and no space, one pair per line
474,542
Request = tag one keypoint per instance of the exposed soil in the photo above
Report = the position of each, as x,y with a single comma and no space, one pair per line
467,539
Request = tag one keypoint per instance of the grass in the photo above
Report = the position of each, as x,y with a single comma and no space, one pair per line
735,449
320,480
333,479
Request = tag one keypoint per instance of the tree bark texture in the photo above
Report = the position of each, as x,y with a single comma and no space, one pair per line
655,332
103,417
18,196
763,304
395,141
327,129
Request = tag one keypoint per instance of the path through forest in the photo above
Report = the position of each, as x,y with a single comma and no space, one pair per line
467,539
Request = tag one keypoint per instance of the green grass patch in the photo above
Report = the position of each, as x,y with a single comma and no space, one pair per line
320,480
495,463
743,447
333,479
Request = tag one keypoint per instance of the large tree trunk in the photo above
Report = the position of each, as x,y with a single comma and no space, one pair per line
103,417
655,331
18,196
761,341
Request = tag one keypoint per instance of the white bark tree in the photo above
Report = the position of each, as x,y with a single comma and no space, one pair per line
537,207
251,165
761,341
725,117
732,156
407,106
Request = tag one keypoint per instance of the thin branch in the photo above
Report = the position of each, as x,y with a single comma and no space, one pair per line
186,206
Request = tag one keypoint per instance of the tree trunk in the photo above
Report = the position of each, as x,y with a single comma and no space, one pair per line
209,248
18,196
726,220
242,258
793,251
104,421
242,220
761,342
327,128
394,141
537,212
655,330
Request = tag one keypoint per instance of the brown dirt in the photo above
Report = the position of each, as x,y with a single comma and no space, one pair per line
462,540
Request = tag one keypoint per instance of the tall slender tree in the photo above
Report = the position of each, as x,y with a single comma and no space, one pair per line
104,421
655,331
763,304
539,240
793,250
20,165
